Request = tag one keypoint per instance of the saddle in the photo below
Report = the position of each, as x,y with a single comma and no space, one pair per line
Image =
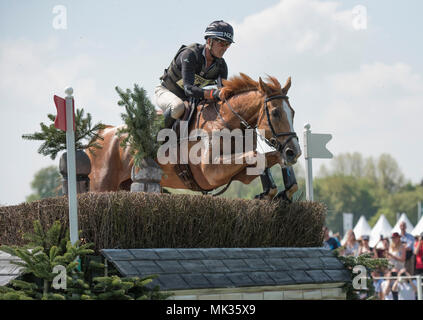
183,170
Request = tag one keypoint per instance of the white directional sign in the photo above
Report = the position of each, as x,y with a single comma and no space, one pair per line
317,146
314,147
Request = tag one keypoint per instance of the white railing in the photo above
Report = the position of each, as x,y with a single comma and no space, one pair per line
418,278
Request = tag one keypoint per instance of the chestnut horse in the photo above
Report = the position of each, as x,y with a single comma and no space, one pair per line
245,103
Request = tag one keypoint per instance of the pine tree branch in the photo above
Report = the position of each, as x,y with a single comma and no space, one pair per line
54,140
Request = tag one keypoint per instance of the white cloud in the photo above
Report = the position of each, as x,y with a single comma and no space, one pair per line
31,74
378,78
376,109
308,34
369,107
377,91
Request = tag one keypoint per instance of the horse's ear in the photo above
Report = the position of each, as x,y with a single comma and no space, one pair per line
286,86
264,88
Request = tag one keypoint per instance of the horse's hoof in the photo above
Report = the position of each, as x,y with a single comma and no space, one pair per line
263,196
282,196
260,196
267,195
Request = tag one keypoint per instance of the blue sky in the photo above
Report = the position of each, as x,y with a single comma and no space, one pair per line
363,86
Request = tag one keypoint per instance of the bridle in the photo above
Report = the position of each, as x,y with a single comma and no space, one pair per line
273,142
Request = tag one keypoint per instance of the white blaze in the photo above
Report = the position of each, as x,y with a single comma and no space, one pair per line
288,113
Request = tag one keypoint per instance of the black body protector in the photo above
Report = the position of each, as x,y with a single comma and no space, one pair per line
187,76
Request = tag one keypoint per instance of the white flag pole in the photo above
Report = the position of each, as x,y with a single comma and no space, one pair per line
71,166
308,163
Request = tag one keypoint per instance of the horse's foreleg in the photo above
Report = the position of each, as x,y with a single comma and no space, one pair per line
290,183
269,187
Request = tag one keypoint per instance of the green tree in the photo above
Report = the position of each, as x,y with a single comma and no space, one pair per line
46,184
364,186
402,201
54,139
384,170
349,164
345,194
389,174
142,124
51,247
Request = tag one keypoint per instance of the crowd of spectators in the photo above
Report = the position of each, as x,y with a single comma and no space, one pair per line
403,251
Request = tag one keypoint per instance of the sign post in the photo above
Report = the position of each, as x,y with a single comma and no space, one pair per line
71,164
65,120
314,147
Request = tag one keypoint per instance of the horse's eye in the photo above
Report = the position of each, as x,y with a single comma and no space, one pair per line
276,113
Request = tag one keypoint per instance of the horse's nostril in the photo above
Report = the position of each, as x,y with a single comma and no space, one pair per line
290,153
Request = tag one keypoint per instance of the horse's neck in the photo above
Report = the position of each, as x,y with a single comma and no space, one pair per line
247,105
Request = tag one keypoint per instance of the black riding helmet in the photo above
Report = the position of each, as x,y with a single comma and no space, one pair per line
221,30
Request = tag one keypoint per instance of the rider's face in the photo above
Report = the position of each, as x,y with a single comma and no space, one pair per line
219,47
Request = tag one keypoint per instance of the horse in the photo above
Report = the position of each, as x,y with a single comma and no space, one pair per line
245,103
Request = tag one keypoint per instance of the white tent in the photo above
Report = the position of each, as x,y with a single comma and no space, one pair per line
382,227
419,228
403,217
361,228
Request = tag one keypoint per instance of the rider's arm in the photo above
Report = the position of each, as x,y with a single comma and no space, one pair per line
188,64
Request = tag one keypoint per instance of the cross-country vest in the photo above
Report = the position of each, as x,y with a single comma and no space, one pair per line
172,77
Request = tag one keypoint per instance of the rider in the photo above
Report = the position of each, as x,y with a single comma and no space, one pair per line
193,68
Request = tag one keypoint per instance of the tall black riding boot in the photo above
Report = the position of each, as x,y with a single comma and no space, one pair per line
168,120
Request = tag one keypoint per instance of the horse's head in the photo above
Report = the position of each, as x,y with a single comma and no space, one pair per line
277,119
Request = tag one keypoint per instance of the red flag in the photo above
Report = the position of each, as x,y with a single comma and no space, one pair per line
60,121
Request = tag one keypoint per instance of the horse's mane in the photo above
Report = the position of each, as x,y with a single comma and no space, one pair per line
243,83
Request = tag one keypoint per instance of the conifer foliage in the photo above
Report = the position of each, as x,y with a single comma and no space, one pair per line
142,124
55,139
85,280
369,263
